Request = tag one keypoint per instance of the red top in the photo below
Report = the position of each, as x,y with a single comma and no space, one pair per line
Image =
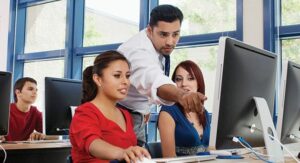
22,124
89,124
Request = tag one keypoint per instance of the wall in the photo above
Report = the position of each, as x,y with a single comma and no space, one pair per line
4,24
253,22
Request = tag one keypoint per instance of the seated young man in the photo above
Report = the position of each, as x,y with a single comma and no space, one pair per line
25,121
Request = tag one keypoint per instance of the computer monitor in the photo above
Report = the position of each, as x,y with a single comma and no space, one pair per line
243,72
288,123
5,89
60,96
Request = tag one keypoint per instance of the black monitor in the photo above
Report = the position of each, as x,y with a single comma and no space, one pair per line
60,96
288,124
243,72
5,89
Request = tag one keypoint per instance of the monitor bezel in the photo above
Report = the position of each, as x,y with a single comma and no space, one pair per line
5,102
68,112
218,86
286,64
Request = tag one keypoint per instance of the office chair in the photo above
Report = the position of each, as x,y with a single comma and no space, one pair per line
154,149
69,159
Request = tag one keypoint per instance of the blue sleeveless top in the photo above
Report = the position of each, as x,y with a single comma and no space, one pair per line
187,139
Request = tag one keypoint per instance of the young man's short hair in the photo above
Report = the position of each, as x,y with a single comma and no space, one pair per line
20,84
166,13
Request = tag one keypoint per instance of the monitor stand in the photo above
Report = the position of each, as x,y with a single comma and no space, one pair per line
273,147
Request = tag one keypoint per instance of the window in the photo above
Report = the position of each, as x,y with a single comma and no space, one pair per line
202,16
110,21
45,27
206,59
291,50
88,61
41,69
290,12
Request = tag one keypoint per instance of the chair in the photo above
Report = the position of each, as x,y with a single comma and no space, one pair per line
154,149
69,159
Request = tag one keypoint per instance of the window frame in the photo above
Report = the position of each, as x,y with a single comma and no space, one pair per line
74,50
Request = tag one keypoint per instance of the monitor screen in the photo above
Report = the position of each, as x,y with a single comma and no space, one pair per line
61,95
243,72
288,124
5,88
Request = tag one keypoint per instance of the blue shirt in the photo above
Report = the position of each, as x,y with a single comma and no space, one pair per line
187,140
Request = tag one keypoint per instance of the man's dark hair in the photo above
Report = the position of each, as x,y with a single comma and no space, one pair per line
166,13
20,84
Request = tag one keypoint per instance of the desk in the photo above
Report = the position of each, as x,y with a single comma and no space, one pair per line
250,158
247,159
31,153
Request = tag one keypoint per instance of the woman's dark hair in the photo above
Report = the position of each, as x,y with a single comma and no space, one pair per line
20,84
166,13
102,61
193,69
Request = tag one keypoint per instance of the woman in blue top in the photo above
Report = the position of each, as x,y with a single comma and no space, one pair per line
184,133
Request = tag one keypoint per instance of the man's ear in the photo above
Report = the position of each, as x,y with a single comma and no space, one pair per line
97,79
149,30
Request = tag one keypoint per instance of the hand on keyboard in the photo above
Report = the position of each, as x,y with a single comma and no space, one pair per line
37,136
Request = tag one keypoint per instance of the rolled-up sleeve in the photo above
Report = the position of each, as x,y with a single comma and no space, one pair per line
147,74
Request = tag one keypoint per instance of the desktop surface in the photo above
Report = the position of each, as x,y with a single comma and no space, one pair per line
25,145
36,141
36,152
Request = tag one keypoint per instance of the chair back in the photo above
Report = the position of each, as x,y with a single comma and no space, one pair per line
69,159
154,149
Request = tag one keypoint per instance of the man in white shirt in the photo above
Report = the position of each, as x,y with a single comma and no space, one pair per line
147,52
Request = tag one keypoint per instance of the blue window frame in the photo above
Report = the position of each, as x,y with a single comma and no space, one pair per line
275,32
74,51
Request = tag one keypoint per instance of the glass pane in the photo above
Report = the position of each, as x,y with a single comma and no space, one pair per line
203,16
206,58
87,61
39,70
45,27
290,12
107,22
291,50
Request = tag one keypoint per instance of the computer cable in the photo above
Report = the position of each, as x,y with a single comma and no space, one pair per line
245,144
235,139
5,154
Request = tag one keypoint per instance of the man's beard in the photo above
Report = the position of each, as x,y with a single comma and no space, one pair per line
163,52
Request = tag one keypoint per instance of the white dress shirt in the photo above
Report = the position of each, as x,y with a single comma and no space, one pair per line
147,73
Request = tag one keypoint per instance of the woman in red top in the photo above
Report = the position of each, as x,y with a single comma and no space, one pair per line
100,131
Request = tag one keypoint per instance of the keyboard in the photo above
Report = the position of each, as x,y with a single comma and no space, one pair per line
37,141
183,159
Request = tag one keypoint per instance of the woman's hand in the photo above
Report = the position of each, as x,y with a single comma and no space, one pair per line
135,154
2,138
37,136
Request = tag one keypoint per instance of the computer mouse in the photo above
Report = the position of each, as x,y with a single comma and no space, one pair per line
146,160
